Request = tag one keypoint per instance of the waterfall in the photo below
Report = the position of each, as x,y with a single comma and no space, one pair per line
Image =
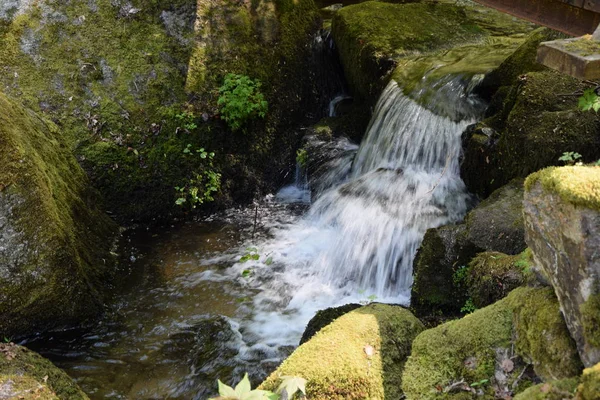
359,237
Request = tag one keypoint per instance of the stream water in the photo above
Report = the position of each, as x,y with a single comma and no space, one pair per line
191,311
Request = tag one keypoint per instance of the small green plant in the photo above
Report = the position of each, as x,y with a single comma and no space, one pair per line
570,158
480,383
301,157
460,275
469,307
289,387
187,119
200,187
241,100
371,298
252,254
589,101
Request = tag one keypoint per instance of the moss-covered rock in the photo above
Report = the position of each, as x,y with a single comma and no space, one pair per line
323,318
490,276
124,73
554,390
360,355
589,388
532,120
447,360
496,224
27,375
54,241
563,230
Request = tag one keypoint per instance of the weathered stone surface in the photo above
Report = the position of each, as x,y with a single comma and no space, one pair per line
525,328
359,356
27,375
55,263
496,224
562,219
576,57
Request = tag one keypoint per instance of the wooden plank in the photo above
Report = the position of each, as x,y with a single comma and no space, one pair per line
565,16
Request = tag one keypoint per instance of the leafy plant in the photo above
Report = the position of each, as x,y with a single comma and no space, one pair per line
460,275
469,307
187,119
301,157
589,101
480,383
241,100
200,187
289,387
251,254
570,158
371,298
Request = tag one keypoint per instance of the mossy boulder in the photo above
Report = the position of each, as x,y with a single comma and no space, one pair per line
496,224
532,120
360,355
524,328
589,388
55,263
562,222
323,318
554,390
26,375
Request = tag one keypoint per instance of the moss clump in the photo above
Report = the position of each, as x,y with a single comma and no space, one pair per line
589,389
590,319
554,390
577,185
528,320
24,388
55,260
585,46
492,275
323,318
360,355
31,368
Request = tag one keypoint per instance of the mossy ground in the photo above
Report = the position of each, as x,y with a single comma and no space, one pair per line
360,355
528,322
60,275
21,362
554,390
589,387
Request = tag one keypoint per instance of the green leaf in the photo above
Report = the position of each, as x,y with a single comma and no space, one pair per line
292,384
246,273
226,391
260,395
243,387
269,261
255,257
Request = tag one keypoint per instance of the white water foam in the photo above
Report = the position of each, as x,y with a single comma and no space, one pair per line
359,238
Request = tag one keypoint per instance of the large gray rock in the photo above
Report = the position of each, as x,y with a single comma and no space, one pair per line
496,224
562,219
54,242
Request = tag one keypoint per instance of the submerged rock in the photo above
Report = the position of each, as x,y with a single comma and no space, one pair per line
55,264
492,349
562,214
360,355
27,375
496,224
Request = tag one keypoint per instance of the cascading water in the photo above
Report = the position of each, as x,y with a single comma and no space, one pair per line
360,236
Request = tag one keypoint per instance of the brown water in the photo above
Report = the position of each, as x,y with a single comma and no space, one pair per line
165,336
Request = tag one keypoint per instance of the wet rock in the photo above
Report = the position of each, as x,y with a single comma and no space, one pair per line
323,318
496,224
360,355
532,120
562,218
55,263
27,375
501,348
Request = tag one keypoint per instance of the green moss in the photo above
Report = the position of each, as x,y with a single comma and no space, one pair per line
589,389
24,388
554,390
360,355
492,275
528,321
323,318
590,319
62,274
585,46
19,361
577,185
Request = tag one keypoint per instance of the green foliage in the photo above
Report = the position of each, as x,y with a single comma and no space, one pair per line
290,386
301,157
570,157
187,120
469,307
480,383
251,254
460,275
240,100
201,186
589,101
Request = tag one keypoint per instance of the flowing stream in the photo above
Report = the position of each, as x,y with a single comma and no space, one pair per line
192,311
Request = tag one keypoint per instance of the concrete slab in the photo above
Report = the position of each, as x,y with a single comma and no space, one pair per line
578,57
